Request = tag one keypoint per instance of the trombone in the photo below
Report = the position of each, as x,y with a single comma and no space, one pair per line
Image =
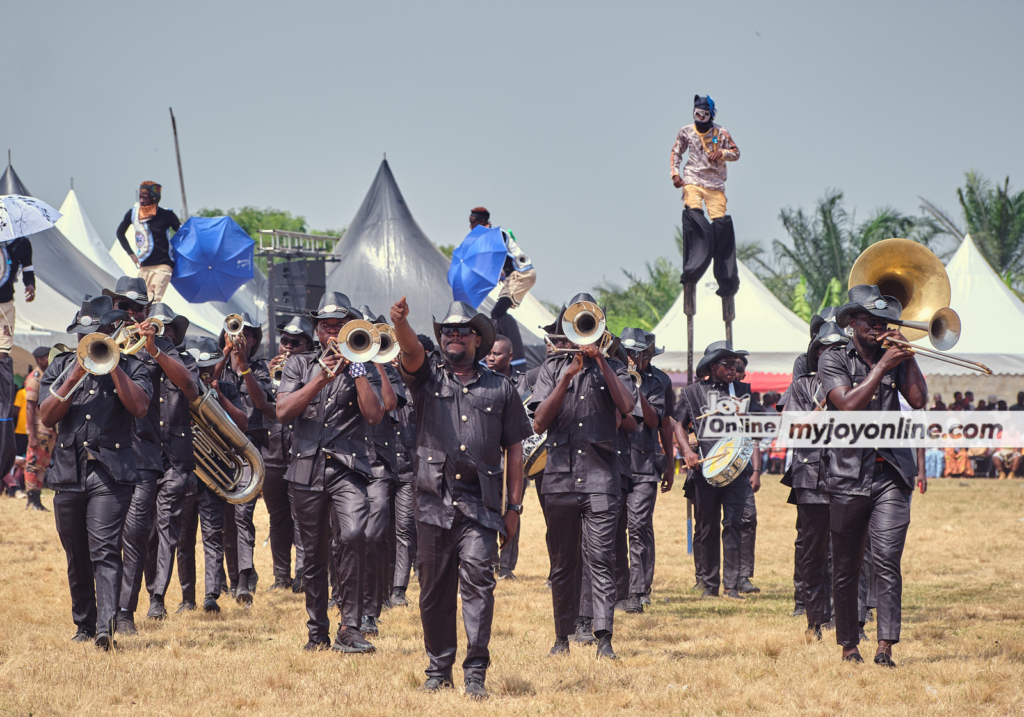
638,378
358,342
939,356
97,353
389,347
583,323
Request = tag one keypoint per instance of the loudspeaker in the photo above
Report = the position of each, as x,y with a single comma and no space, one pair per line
298,286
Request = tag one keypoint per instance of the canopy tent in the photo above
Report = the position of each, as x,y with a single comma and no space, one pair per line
384,255
772,334
531,314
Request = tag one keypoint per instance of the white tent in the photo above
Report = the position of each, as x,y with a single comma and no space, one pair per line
772,334
531,314
75,225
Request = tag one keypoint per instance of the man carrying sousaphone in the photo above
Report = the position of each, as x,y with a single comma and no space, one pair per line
93,470
869,489
697,404
470,422
331,403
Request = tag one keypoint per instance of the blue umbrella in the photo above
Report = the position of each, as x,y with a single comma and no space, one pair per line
476,265
213,257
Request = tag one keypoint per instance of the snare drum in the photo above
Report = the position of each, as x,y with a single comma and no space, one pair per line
732,456
535,454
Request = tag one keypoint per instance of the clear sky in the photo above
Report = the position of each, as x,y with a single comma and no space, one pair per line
558,116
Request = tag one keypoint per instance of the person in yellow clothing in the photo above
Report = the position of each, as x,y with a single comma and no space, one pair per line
20,431
40,438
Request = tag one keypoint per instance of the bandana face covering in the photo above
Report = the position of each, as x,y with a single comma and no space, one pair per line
702,120
149,198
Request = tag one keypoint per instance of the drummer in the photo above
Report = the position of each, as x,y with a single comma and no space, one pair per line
717,372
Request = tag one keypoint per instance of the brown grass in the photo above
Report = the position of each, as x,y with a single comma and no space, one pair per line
962,651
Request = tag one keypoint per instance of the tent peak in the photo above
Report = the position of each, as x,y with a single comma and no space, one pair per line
10,182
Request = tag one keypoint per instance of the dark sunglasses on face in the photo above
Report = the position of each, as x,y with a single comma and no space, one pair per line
290,342
453,330
731,364
128,306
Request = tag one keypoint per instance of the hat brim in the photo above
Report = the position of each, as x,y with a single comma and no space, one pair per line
704,365
114,296
891,312
286,329
341,313
483,327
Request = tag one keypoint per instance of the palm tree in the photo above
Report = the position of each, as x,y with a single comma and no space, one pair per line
994,217
644,300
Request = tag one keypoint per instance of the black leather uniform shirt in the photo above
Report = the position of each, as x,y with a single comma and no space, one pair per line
97,426
461,434
807,473
175,420
381,439
648,458
405,440
258,424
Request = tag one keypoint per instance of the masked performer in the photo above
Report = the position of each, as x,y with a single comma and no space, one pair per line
152,226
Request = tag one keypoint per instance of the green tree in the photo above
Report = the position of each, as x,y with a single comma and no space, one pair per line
644,300
446,249
994,217
800,306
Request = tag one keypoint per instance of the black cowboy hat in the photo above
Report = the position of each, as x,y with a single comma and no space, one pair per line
333,305
204,350
177,322
132,288
634,339
651,348
373,318
461,314
96,311
246,324
826,314
716,352
298,326
829,334
40,351
867,298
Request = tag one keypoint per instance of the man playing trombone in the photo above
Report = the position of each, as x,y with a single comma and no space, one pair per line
330,401
92,397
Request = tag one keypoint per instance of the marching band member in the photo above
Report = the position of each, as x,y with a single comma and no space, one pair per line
578,400
469,421
93,469
869,489
330,406
717,370
296,338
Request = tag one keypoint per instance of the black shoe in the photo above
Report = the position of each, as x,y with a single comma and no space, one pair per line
280,584
475,690
246,584
645,599
157,611
103,642
884,660
708,593
83,635
186,606
585,631
863,635
124,623
604,649
317,645
561,647
33,502
798,611
620,605
350,640
398,598
813,633
634,606
733,594
297,584
854,657
748,587
436,684
504,574
369,626
210,604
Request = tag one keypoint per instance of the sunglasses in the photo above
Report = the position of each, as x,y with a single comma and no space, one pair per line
453,330
128,306
731,364
290,342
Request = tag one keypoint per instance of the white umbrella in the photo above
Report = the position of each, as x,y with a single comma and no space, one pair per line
21,216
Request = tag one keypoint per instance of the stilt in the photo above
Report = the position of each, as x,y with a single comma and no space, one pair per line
689,308
728,315
689,527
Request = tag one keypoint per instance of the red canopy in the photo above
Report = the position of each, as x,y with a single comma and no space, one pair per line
759,381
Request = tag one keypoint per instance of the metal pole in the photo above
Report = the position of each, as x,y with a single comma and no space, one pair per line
271,309
177,152
689,308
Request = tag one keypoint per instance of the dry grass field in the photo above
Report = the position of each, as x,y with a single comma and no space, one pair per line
962,651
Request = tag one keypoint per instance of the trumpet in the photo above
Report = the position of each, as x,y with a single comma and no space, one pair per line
97,353
276,368
638,378
389,347
130,339
358,342
234,324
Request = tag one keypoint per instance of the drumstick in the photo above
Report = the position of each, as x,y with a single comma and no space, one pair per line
711,458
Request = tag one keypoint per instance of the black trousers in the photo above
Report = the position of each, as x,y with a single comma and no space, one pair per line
376,573
704,241
239,536
582,522
89,524
456,562
509,555
712,504
538,480
799,586
138,524
166,530
885,516
640,518
813,565
283,531
208,509
345,498
867,593
748,536
405,534
622,552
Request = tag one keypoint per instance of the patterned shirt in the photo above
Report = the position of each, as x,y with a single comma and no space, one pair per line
698,169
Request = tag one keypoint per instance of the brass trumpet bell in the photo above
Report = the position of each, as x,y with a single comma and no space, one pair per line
233,325
943,328
98,353
389,347
912,274
130,340
583,323
358,341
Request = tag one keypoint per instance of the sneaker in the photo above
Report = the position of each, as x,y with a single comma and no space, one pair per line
369,626
561,647
585,631
504,574
733,594
436,684
350,640
604,649
186,606
157,611
83,635
398,598
124,623
645,599
317,645
210,604
475,690
798,611
280,584
634,606
103,642
747,587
